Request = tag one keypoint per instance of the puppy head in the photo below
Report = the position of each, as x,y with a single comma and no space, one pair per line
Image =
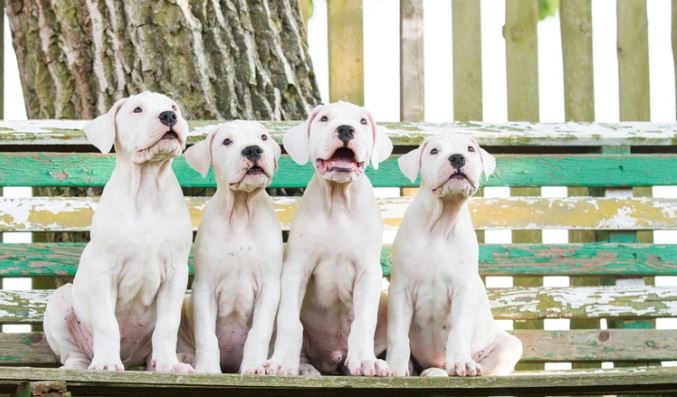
243,153
144,127
340,138
449,164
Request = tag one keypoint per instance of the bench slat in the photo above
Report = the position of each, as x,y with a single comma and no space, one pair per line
539,346
75,213
507,303
593,381
90,169
69,132
61,259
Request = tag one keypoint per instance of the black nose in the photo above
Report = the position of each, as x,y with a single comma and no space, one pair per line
457,160
168,118
345,133
252,153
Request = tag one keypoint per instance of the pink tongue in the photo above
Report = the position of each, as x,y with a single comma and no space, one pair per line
342,163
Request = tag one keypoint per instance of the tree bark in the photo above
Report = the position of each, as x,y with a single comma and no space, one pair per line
221,59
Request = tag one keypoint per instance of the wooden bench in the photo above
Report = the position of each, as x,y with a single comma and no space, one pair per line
612,156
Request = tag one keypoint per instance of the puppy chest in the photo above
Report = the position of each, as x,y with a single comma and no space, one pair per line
333,280
236,294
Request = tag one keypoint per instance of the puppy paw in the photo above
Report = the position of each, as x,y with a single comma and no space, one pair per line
207,369
308,370
398,370
370,367
173,367
282,368
434,372
253,368
467,367
106,365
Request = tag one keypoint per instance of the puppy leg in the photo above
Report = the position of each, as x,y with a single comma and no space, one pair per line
361,360
102,295
257,345
464,304
400,312
59,315
169,301
289,339
500,357
204,309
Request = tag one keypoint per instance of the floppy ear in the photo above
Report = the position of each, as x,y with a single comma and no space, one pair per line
488,163
296,141
410,163
101,131
199,156
382,144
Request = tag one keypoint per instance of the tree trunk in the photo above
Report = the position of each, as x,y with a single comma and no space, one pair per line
221,59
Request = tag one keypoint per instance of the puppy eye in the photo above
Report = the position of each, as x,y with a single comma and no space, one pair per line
434,152
174,108
363,121
264,137
324,118
471,149
227,141
138,109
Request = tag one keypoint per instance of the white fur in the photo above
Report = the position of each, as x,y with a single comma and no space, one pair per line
238,253
438,308
126,298
331,277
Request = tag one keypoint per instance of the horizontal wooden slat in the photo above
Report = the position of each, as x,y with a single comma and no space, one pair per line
69,132
61,259
552,346
75,213
90,169
138,383
507,303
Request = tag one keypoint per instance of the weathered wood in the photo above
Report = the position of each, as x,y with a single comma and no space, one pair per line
520,303
135,383
61,259
539,346
467,59
633,59
42,389
576,28
521,45
89,169
513,133
346,51
674,39
412,98
245,59
526,213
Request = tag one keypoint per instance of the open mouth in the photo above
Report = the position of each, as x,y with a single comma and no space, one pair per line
255,170
170,135
343,160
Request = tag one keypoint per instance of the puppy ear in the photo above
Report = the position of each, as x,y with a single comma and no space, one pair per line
296,141
199,156
101,131
488,163
383,147
410,163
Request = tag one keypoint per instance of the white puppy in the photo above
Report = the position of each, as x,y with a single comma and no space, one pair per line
331,277
238,253
438,308
126,298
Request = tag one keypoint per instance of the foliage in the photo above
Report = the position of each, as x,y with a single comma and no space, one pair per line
547,8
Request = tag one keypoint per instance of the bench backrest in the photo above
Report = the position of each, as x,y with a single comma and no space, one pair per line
55,153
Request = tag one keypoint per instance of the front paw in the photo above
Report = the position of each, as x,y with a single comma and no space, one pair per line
173,367
463,367
106,365
282,367
308,370
369,367
253,368
398,369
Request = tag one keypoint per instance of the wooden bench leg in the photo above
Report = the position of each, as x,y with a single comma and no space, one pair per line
42,389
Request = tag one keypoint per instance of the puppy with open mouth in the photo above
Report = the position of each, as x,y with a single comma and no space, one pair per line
331,279
228,321
438,310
